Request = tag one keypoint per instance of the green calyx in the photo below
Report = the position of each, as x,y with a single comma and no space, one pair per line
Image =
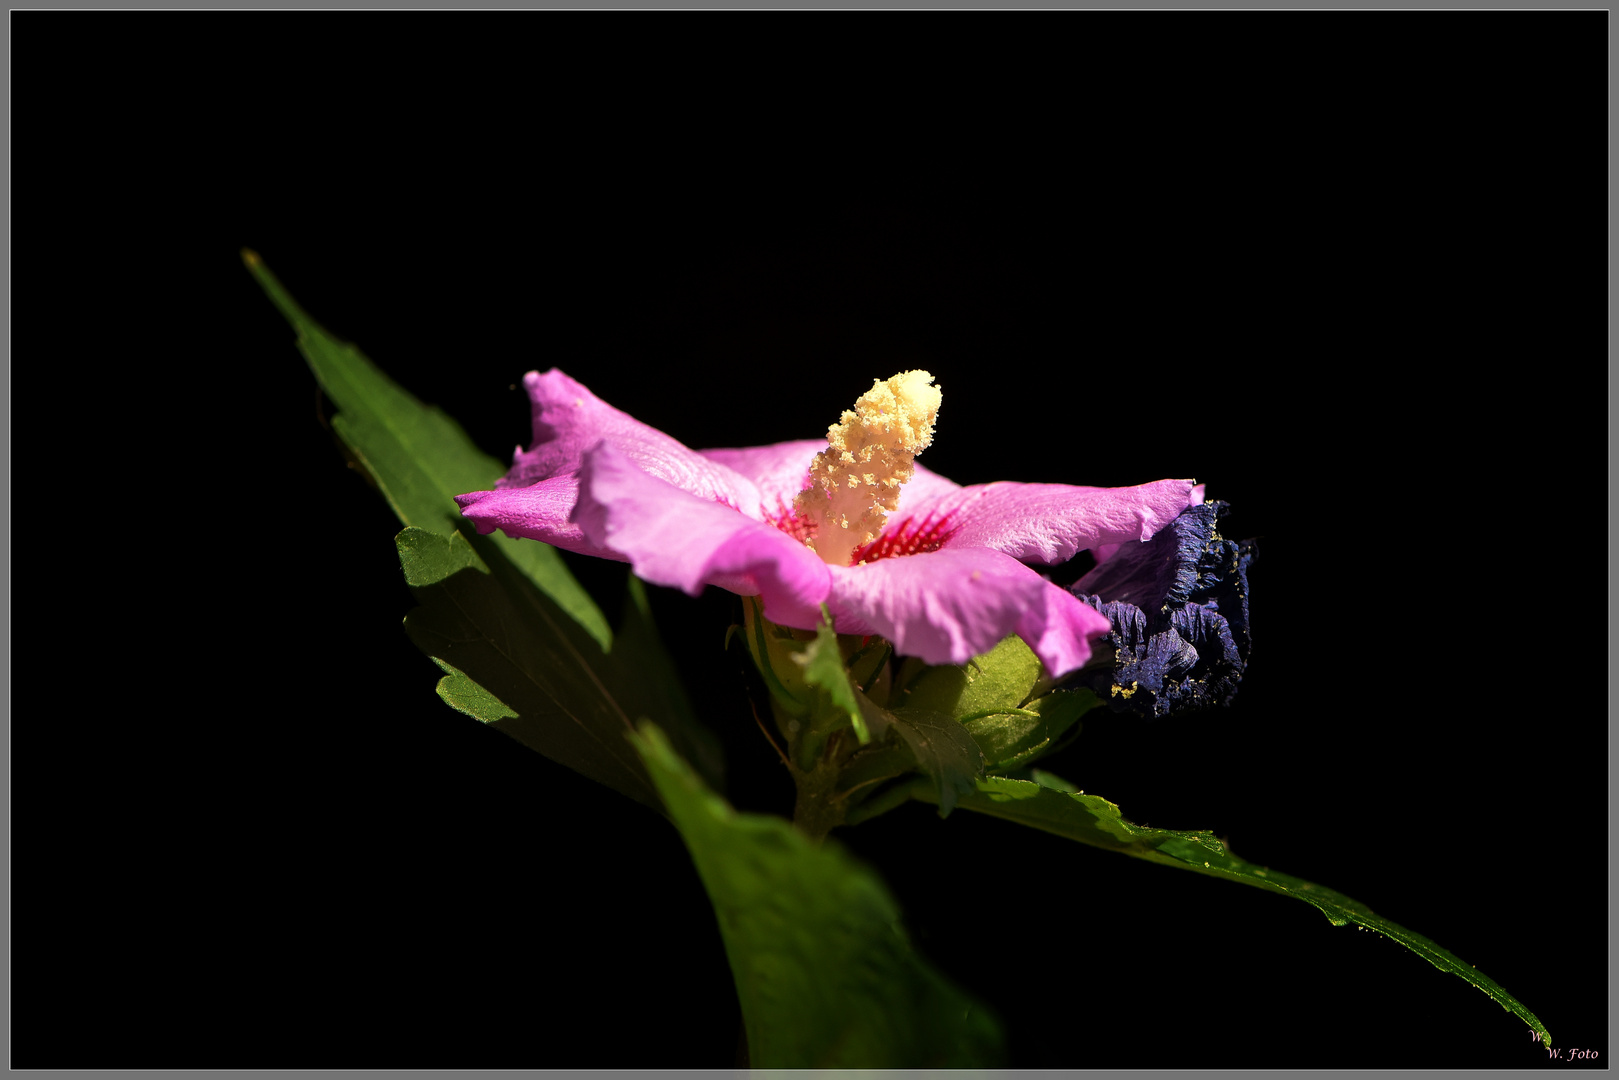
1003,702
857,735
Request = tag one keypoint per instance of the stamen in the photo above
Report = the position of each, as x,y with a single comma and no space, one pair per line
854,483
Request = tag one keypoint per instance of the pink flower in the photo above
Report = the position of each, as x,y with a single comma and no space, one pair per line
944,580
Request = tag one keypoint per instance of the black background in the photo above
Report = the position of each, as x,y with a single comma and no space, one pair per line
1345,269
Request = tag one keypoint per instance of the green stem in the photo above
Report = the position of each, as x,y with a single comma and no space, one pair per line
819,810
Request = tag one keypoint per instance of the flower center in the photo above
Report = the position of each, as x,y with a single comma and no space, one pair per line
854,483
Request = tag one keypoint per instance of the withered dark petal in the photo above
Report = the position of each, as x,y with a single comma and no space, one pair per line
1178,607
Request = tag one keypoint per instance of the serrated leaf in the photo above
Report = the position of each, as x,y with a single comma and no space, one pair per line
1014,738
428,558
516,662
418,457
465,696
1093,820
822,662
1050,780
824,972
547,679
944,751
810,685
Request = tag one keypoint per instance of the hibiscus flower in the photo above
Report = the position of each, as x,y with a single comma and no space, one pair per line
849,522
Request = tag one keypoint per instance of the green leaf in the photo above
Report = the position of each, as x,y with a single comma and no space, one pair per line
1018,736
810,685
999,680
775,650
1093,820
428,558
824,972
525,669
463,695
1050,780
944,751
822,662
515,661
418,457
649,685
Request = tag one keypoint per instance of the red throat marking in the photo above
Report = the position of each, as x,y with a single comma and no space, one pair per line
789,520
909,537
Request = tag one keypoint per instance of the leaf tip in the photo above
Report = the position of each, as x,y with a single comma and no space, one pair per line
250,258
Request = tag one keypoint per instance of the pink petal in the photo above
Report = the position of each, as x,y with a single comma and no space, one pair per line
1103,552
925,485
1048,523
569,420
1060,632
779,471
951,605
538,512
672,537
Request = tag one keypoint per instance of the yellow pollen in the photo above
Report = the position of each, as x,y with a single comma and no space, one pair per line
855,481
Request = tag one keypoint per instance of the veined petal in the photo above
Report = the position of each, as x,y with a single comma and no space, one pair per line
780,471
1059,633
924,484
951,605
569,420
672,537
1103,552
1047,523
538,512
